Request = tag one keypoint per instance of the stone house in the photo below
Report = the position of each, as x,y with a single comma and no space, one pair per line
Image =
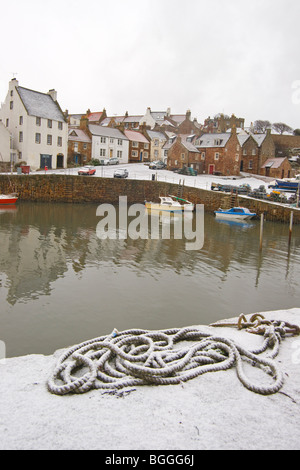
220,153
286,145
221,123
188,126
249,154
277,167
182,153
37,125
266,147
139,146
79,146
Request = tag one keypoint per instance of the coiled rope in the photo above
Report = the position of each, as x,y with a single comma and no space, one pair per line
142,357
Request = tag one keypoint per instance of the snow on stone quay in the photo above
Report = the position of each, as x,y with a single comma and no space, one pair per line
250,403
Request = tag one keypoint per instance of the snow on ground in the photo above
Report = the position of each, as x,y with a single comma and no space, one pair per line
142,172
212,411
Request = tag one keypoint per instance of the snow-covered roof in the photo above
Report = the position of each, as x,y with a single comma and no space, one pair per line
273,162
40,104
212,140
78,135
156,135
135,136
106,131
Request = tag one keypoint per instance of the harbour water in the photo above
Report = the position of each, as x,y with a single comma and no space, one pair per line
60,284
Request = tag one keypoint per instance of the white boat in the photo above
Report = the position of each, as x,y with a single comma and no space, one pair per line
235,213
8,199
170,204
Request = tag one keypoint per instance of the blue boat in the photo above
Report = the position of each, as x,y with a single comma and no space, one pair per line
287,185
235,213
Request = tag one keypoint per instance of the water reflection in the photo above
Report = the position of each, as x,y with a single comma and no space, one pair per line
55,272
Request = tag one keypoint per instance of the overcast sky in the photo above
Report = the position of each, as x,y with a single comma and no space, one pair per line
232,56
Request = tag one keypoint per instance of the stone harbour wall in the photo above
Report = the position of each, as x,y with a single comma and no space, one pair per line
84,189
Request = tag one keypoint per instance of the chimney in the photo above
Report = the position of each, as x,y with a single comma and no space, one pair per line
53,94
84,123
188,114
168,112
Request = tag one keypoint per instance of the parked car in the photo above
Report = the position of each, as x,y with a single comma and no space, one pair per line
157,165
113,161
87,170
121,173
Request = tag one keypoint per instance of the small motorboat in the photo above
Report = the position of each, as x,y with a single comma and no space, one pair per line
8,199
235,213
170,204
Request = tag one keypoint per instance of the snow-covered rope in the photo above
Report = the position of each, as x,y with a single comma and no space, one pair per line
142,357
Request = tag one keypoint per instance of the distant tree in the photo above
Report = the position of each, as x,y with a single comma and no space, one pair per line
261,126
296,132
281,127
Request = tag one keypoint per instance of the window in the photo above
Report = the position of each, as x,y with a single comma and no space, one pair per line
253,151
59,141
218,141
134,153
156,142
244,152
217,156
84,146
11,105
49,139
146,146
135,144
75,146
7,122
21,120
156,153
20,136
120,142
111,140
237,157
102,152
38,121
250,166
49,124
37,138
103,140
60,125
203,156
146,154
119,153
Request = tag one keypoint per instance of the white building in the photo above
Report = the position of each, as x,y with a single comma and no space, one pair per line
6,151
39,132
108,142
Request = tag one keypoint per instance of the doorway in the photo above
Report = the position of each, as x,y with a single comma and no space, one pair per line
59,161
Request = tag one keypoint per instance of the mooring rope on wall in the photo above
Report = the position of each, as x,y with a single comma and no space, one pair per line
141,357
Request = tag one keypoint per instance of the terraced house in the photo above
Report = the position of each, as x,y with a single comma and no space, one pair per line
108,142
37,126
